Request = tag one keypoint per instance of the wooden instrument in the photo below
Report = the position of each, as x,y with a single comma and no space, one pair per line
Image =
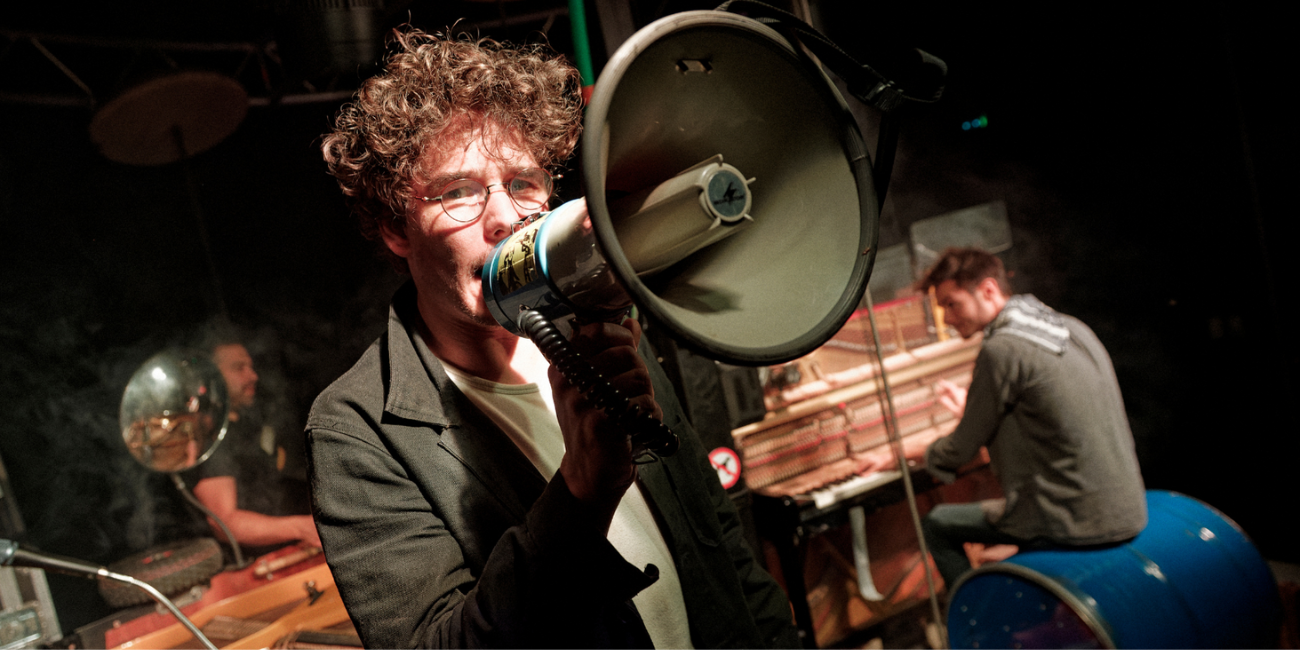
801,462
283,595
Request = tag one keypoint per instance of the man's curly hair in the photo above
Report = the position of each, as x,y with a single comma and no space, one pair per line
433,84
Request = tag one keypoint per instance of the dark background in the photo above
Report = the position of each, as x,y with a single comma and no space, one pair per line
1142,155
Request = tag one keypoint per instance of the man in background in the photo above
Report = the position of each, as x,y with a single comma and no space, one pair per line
243,482
1045,403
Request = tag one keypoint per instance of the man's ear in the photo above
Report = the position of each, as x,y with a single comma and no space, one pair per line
395,237
989,289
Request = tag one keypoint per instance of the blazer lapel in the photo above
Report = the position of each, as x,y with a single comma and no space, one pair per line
488,453
420,390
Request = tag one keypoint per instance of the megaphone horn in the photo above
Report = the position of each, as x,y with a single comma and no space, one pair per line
729,196
717,94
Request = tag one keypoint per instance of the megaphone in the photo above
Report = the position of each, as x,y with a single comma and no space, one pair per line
729,196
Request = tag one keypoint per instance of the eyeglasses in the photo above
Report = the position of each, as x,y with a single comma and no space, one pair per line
465,200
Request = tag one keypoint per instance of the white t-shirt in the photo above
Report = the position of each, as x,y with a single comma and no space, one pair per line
633,531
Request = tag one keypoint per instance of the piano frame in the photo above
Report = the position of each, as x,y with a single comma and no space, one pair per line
789,525
812,430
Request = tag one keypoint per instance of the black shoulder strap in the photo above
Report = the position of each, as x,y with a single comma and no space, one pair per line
921,80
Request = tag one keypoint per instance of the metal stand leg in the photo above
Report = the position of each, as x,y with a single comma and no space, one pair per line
791,551
861,562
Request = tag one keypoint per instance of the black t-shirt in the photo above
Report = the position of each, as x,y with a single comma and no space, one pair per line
255,454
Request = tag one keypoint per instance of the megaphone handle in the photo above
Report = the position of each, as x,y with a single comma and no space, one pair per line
650,437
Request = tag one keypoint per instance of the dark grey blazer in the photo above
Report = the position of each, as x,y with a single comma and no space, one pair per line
439,532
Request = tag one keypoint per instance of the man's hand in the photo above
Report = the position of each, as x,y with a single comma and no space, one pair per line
220,494
877,460
597,464
952,397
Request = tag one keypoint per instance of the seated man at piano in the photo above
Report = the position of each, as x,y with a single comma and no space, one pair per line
245,481
1045,404
467,495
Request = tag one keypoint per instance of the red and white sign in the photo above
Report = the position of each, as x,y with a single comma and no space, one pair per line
727,464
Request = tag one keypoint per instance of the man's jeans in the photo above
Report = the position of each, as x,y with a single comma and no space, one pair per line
949,526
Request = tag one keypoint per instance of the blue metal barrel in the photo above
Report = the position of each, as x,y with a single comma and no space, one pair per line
1191,579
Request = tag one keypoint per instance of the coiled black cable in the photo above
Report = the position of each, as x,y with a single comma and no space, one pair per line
650,437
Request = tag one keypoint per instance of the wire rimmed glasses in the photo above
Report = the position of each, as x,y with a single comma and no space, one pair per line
464,199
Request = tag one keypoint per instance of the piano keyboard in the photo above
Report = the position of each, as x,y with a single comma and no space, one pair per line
848,488
806,449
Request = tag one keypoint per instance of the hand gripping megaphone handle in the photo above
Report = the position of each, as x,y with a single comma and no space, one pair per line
651,438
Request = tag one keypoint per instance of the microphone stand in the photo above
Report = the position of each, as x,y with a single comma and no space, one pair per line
234,543
896,445
11,555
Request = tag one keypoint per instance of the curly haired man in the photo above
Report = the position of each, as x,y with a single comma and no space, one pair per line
465,494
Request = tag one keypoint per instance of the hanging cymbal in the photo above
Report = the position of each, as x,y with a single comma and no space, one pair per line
140,126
